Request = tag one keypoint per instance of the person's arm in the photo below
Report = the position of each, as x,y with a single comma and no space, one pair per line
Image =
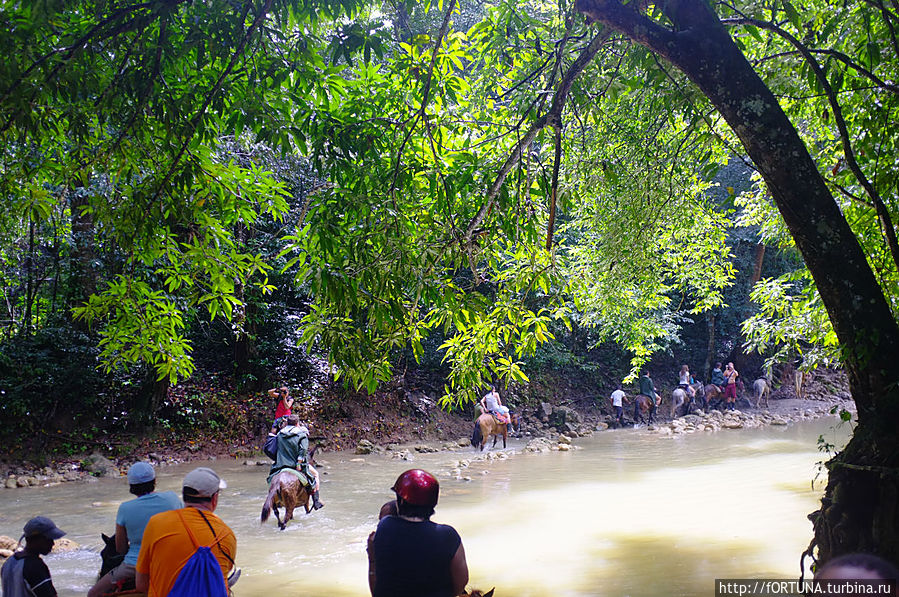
459,571
121,539
274,393
142,582
370,549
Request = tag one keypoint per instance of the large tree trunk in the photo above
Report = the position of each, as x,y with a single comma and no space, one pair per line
859,508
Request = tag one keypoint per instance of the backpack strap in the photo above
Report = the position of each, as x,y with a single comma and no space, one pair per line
193,539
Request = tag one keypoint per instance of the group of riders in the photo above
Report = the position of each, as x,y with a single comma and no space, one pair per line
723,382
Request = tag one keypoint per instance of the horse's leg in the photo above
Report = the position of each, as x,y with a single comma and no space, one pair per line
505,432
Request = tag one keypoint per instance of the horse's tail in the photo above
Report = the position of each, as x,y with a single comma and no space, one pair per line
476,437
269,500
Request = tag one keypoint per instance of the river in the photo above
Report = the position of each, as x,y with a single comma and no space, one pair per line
627,514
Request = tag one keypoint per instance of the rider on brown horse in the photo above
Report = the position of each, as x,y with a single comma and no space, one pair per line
492,404
293,453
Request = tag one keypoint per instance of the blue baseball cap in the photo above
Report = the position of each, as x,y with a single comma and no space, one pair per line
140,472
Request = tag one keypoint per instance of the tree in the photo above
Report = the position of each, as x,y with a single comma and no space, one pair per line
859,503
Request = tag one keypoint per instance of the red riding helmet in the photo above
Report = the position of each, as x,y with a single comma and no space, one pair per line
417,487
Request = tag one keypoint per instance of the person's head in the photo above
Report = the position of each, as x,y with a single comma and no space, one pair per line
416,491
292,419
646,374
39,533
717,365
141,478
863,566
388,509
730,365
284,392
201,486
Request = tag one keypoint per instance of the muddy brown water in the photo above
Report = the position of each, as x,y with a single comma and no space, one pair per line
627,514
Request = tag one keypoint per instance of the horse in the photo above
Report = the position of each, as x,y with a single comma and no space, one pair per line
288,491
762,390
477,593
680,396
643,405
486,425
713,395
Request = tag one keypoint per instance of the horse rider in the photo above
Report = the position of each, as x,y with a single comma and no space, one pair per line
717,377
648,389
411,556
285,403
685,382
492,404
293,453
130,521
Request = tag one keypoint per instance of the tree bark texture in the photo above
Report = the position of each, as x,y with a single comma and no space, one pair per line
859,508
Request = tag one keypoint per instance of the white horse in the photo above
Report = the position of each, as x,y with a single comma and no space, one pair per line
680,396
762,389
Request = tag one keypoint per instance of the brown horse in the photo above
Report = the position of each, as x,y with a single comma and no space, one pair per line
288,491
643,405
713,394
486,425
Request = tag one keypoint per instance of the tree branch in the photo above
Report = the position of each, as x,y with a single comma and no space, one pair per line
883,213
195,121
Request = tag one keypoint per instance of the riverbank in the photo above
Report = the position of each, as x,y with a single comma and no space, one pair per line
411,421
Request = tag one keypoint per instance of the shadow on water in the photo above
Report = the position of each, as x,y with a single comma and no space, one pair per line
667,566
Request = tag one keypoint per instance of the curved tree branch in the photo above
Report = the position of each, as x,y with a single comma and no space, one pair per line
883,213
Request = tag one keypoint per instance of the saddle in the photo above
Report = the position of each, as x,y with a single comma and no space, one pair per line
501,419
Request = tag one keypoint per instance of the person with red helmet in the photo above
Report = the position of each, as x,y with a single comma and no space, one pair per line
410,556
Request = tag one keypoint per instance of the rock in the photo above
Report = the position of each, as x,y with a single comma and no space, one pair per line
778,421
545,411
403,455
7,542
424,448
732,424
463,441
11,483
564,447
5,553
564,439
692,419
25,481
539,444
100,466
364,447
64,544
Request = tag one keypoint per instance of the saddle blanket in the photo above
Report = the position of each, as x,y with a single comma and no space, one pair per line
501,418
298,474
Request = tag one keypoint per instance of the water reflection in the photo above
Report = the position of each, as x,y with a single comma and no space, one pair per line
628,514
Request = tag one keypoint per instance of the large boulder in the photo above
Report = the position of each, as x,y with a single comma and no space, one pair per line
364,447
565,419
99,466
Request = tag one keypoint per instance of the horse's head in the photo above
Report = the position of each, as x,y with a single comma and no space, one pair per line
109,556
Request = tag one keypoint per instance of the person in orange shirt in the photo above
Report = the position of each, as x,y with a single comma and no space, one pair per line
171,538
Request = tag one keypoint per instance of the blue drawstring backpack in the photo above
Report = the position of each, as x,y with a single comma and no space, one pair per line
201,575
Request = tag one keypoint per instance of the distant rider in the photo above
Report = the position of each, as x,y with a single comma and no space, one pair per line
293,453
285,403
491,403
685,381
717,377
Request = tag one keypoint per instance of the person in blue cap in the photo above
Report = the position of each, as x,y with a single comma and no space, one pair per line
25,574
130,522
